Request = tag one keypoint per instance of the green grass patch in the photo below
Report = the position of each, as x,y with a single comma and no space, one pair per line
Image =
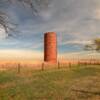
78,83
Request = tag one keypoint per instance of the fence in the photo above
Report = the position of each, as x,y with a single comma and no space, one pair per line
43,66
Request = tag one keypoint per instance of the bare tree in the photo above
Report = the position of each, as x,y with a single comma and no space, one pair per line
4,18
34,5
94,46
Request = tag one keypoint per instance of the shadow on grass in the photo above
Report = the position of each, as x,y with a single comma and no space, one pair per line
87,92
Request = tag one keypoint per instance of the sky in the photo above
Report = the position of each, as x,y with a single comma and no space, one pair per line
76,23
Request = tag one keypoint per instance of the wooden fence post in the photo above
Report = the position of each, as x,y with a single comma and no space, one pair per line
42,66
58,65
18,70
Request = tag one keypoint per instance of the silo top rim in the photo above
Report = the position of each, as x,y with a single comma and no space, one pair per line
50,33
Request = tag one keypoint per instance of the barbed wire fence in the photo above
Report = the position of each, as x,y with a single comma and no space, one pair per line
62,63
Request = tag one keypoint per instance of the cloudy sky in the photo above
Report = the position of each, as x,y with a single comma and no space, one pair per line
76,23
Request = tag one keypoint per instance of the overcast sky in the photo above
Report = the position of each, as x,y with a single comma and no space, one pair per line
76,23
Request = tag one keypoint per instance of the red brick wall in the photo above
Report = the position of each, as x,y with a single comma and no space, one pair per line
50,47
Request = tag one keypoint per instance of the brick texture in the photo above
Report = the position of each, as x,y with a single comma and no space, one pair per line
50,47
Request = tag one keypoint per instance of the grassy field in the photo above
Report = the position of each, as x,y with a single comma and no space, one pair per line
78,83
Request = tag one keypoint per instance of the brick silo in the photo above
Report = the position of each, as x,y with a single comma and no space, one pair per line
50,47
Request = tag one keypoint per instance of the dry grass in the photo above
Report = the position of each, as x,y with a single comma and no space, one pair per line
77,83
40,64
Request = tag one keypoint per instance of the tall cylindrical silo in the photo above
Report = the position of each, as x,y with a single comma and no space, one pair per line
50,47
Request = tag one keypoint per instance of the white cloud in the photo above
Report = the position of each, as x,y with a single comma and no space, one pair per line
68,17
2,33
77,42
97,14
75,20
